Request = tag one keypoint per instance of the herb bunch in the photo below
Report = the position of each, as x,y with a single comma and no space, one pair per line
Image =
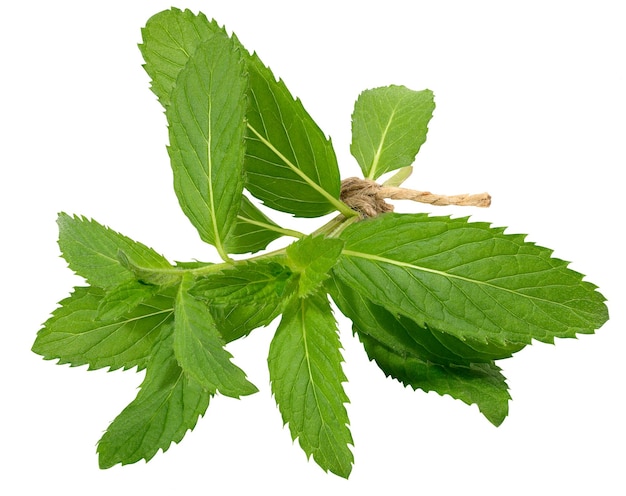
435,301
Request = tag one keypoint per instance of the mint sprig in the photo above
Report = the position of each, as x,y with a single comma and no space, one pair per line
436,301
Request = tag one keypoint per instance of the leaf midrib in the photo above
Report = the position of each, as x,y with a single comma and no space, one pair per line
338,204
398,263
379,150
309,370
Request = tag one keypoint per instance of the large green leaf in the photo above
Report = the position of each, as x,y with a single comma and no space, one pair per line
416,355
389,126
169,39
468,279
290,164
76,335
479,383
167,406
91,251
199,348
305,370
207,123
404,336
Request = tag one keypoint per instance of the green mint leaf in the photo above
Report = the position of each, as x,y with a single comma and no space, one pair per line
418,357
199,348
120,300
167,406
306,375
235,321
252,231
479,383
91,251
468,279
206,126
245,283
76,334
404,336
290,164
389,126
312,258
247,296
169,39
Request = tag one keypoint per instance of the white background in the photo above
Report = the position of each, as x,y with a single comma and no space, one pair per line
530,107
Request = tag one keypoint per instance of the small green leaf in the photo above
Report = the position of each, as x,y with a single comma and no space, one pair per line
389,126
312,258
479,383
167,406
75,335
290,164
235,321
468,279
207,124
252,231
199,348
246,296
91,251
120,300
245,283
169,39
305,370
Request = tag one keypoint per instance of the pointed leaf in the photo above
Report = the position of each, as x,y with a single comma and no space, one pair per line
169,39
207,124
312,258
290,165
199,348
75,335
479,383
166,407
91,251
305,370
252,231
389,125
468,279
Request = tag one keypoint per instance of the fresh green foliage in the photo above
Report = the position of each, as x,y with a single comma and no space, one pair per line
468,278
305,370
206,137
167,405
389,126
435,301
199,348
